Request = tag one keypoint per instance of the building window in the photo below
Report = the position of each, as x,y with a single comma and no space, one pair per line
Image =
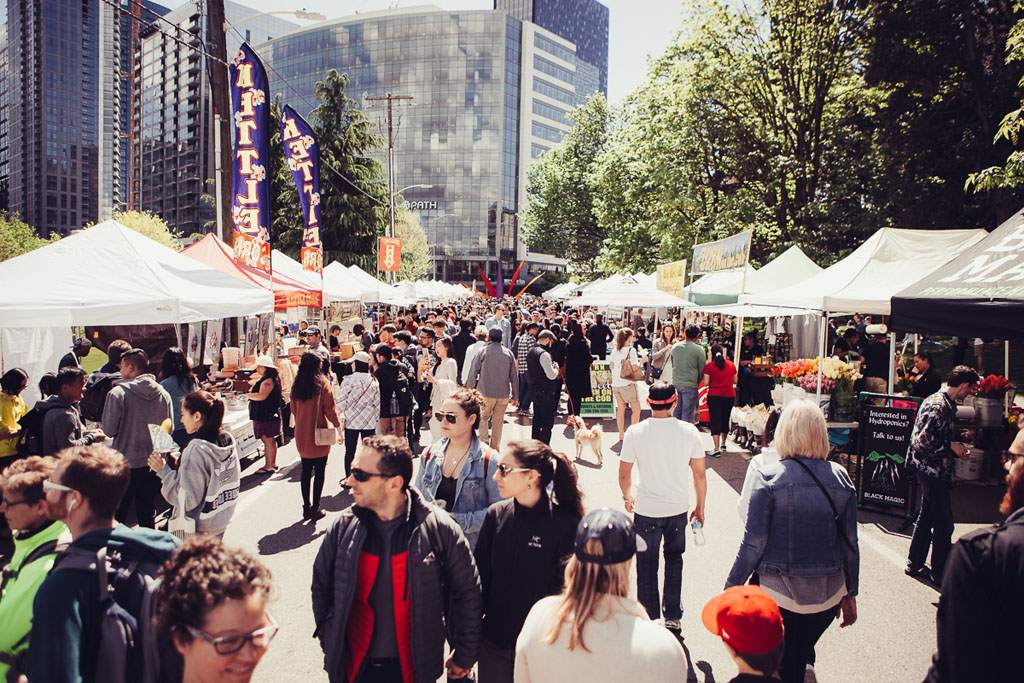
553,91
550,112
551,69
553,48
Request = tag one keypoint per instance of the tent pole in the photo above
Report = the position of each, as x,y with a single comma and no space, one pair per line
821,351
916,341
1006,373
738,342
892,361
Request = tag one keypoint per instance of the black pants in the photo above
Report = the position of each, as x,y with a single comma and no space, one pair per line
312,468
423,404
380,671
496,662
802,632
142,491
719,409
574,402
544,406
352,439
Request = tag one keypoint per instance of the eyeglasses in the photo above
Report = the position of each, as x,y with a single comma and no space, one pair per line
505,470
227,645
451,418
363,476
54,486
12,503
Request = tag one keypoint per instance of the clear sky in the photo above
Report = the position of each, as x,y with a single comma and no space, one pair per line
637,28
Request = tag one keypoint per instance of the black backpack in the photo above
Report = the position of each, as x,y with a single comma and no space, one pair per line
30,436
402,395
97,387
130,650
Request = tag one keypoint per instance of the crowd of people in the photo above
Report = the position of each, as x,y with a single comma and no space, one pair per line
470,555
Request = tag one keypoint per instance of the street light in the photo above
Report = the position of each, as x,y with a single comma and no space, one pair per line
410,187
298,14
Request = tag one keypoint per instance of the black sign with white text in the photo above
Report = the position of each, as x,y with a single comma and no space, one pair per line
885,437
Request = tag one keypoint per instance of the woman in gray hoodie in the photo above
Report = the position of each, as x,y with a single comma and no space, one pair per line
207,470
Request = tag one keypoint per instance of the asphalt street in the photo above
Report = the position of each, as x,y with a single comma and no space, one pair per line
893,639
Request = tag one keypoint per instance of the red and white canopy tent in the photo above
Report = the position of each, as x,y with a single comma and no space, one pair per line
212,251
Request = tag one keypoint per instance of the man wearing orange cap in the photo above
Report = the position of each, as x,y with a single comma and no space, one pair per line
750,624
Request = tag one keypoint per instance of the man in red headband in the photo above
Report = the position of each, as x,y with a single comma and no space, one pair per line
750,625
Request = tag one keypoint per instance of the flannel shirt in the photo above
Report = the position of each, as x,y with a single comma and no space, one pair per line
934,429
524,344
359,400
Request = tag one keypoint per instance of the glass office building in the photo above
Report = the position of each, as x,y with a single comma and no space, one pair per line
469,132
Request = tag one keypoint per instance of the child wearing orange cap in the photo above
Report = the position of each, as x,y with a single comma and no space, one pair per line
750,624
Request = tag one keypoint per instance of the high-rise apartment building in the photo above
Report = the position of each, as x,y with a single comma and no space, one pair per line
173,144
582,22
490,94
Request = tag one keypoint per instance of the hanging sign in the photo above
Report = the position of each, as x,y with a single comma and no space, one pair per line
300,150
250,182
884,440
672,277
389,254
728,254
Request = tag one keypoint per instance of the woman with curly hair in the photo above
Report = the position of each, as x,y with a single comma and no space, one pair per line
212,604
456,469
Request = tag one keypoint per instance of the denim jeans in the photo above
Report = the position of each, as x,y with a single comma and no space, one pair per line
802,633
934,526
525,391
686,403
653,530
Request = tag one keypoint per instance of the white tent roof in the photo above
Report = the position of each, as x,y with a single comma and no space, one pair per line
624,290
333,291
789,268
338,278
559,291
865,281
723,283
364,276
111,275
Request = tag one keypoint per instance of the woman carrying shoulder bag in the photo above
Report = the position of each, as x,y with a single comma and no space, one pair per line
312,405
801,536
626,371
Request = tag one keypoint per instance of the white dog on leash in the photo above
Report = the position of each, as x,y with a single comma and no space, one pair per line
587,436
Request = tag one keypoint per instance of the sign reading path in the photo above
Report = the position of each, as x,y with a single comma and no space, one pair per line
884,439
599,403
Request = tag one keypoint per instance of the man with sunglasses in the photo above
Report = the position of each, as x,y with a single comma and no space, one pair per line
84,491
36,539
392,572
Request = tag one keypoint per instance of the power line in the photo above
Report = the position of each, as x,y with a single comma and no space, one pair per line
206,54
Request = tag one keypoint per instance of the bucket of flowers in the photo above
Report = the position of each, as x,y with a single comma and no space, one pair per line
991,400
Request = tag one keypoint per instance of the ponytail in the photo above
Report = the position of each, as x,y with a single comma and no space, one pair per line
212,410
554,468
718,356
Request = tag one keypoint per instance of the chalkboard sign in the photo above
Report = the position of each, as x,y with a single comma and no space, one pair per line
884,439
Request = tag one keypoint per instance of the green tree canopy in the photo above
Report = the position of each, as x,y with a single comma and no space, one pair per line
415,251
148,224
17,237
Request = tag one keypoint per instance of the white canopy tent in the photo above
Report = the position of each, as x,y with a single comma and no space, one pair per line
865,281
561,291
339,278
625,290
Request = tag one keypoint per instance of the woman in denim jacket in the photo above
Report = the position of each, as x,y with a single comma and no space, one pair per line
456,470
792,539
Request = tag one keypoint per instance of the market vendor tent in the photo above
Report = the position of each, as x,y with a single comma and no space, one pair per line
980,293
111,275
866,280
561,291
339,278
625,290
212,251
718,288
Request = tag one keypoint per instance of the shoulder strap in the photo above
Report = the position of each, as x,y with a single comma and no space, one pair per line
48,548
835,513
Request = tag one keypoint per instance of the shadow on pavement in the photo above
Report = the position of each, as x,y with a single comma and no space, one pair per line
300,533
336,503
705,668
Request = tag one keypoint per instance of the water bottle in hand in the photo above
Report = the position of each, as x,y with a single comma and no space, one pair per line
698,532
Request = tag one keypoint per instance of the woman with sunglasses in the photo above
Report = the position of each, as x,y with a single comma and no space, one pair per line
12,409
444,378
212,604
524,544
456,470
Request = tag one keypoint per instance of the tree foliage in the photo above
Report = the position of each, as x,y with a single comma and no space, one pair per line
148,224
561,214
353,194
17,237
415,251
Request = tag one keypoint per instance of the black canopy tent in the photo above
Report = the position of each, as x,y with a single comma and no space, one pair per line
980,293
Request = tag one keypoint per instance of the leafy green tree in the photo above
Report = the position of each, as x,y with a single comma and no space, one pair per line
560,216
415,251
353,194
148,224
18,237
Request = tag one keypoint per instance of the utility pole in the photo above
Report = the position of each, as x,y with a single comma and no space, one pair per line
391,156
221,92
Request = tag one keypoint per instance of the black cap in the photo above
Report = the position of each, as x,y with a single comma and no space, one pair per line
82,343
615,531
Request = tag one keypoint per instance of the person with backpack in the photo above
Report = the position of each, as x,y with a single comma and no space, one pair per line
223,635
177,378
101,381
36,543
359,399
205,481
395,396
456,470
61,423
12,409
391,574
72,622
136,402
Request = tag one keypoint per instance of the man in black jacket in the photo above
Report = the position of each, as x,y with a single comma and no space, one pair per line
599,335
391,537
980,620
462,341
395,395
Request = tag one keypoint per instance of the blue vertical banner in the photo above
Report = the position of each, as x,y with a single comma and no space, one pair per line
300,151
250,173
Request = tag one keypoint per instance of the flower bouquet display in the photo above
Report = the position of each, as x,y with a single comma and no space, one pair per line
843,375
991,399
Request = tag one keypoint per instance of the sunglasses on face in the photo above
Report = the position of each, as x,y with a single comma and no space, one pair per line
451,418
362,476
227,645
505,470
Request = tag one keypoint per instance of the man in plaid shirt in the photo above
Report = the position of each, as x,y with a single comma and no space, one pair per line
523,344
358,399
930,456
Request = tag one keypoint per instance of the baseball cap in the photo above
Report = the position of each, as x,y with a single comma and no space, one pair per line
494,334
747,618
82,343
615,530
361,356
312,329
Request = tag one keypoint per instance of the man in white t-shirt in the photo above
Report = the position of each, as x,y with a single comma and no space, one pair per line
663,448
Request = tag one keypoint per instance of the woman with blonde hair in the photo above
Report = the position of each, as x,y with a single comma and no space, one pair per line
801,536
593,631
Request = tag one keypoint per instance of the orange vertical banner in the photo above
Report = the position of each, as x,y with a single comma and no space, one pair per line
389,254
